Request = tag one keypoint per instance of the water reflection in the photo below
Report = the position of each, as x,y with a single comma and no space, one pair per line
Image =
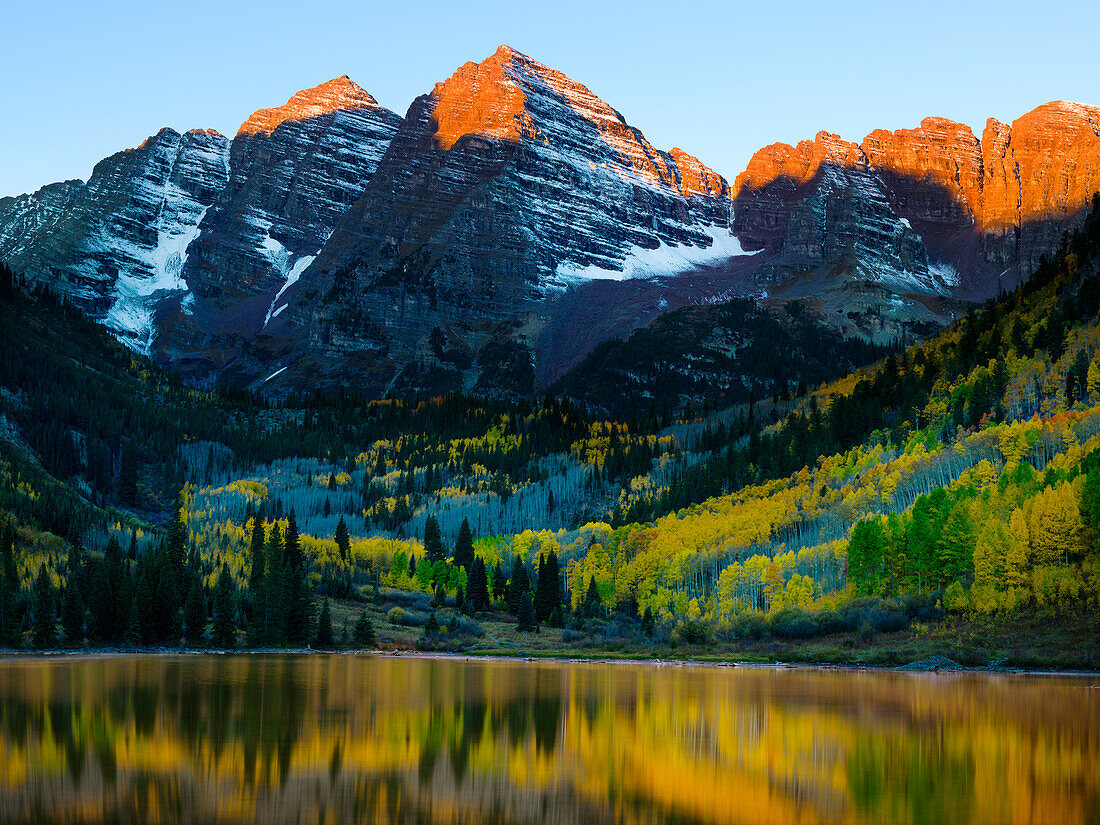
362,739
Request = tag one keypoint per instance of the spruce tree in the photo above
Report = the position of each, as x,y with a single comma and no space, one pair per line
9,588
324,640
517,585
298,605
363,634
593,607
433,541
343,540
72,612
225,630
477,588
548,591
464,546
500,583
647,621
45,628
525,614
194,610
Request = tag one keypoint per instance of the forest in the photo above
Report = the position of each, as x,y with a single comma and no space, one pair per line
955,480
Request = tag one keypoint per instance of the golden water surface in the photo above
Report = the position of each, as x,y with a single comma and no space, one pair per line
276,739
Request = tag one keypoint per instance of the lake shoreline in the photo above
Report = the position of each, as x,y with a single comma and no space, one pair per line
946,666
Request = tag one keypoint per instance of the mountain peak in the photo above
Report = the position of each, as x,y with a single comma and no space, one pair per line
340,93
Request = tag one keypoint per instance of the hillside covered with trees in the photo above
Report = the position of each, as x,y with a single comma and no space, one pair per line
957,480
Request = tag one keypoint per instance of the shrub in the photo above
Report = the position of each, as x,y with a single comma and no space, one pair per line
406,618
693,632
793,623
750,626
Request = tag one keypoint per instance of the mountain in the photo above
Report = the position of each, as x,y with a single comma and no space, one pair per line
117,244
506,186
513,221
293,171
182,245
893,232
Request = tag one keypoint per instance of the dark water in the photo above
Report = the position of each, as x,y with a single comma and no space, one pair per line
363,739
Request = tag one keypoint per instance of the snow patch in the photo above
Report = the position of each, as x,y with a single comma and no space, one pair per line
277,372
292,277
945,273
666,259
136,293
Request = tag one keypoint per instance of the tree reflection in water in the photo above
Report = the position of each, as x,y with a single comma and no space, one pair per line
372,739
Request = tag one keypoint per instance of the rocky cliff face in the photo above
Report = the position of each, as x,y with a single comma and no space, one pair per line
293,171
182,245
897,229
506,185
117,244
513,220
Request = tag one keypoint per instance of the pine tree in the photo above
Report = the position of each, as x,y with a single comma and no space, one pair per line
194,610
9,588
127,476
433,541
72,612
593,607
265,623
363,633
343,540
225,630
500,583
548,590
517,585
477,596
525,614
298,605
45,628
324,640
647,621
464,546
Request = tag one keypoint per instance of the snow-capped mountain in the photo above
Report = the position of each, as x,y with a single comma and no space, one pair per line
513,220
189,239
507,185
293,171
117,244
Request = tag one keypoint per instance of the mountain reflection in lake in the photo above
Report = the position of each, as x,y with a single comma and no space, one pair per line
277,739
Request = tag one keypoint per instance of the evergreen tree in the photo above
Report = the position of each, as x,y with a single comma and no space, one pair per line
256,576
477,596
647,621
324,640
464,546
298,606
500,583
127,476
517,585
431,627
363,633
343,540
593,607
133,635
548,590
525,614
72,612
45,628
10,602
433,541
225,630
194,610
412,565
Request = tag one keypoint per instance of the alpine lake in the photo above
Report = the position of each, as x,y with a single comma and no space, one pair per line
400,739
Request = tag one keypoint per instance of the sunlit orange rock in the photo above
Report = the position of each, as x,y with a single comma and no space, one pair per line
338,94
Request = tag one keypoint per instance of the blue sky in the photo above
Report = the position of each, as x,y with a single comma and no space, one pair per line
718,79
